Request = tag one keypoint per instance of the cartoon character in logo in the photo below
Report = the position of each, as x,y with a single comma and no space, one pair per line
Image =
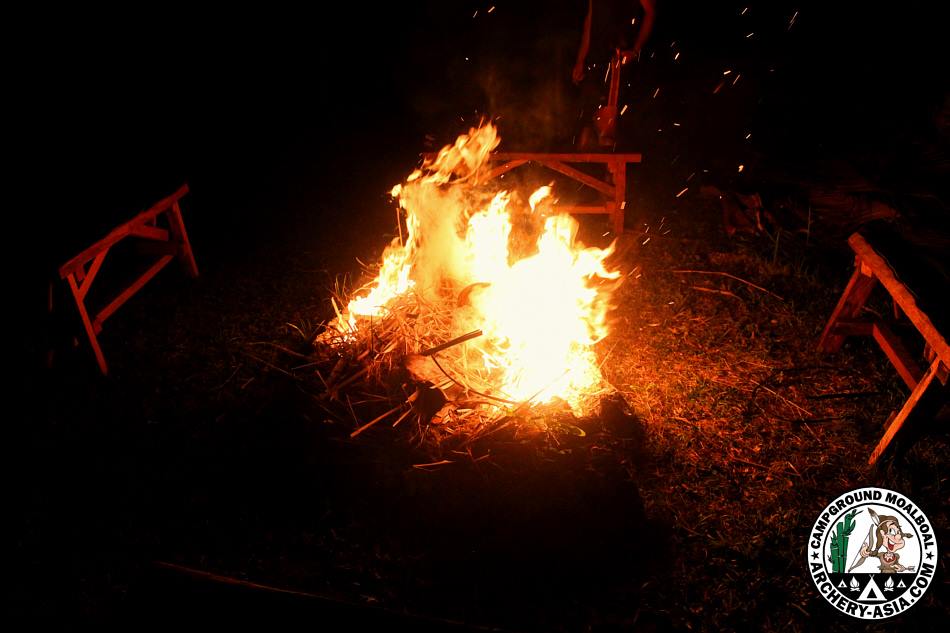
887,534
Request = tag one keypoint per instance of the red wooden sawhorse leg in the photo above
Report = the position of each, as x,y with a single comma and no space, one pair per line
919,392
851,302
79,283
177,226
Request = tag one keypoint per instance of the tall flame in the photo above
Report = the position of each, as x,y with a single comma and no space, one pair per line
539,297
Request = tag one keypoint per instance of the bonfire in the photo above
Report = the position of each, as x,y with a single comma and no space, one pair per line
484,308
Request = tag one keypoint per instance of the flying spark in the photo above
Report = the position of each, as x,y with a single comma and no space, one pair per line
685,189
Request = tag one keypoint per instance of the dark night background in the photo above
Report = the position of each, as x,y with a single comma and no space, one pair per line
290,124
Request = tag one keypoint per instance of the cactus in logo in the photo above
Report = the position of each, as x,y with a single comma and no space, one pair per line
839,543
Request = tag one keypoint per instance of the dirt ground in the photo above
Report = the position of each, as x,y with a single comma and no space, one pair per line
684,506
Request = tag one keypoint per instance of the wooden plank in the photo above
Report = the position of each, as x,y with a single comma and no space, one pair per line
569,158
126,294
579,209
502,169
578,175
885,274
149,232
563,157
88,325
908,408
853,327
177,225
90,275
902,359
121,231
854,296
76,264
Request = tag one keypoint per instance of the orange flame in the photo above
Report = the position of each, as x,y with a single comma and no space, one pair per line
541,302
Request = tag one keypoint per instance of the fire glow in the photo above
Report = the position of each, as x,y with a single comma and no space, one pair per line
510,269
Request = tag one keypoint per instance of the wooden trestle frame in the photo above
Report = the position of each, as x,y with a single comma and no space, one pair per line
613,189
81,270
871,268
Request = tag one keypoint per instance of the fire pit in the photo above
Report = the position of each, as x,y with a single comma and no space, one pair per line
484,306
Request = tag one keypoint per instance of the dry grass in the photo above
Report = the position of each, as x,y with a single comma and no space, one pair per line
748,429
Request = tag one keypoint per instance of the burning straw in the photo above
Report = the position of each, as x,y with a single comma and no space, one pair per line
487,309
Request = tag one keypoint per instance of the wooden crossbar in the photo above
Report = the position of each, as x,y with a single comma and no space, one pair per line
613,189
869,270
80,271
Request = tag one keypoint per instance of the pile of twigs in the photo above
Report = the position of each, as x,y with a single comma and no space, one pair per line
410,369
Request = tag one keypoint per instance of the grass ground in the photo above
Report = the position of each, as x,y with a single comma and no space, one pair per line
684,508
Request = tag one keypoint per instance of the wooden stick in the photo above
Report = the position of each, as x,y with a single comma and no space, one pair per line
431,464
455,341
374,421
730,276
716,291
402,417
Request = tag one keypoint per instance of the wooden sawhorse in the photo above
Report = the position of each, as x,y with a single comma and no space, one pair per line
613,189
871,268
81,270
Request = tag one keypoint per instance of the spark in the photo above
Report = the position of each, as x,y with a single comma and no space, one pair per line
792,21
623,109
491,8
719,87
675,57
656,92
691,176
748,135
633,21
623,205
736,80
726,72
750,35
685,189
676,124
475,15
744,11
741,167
645,241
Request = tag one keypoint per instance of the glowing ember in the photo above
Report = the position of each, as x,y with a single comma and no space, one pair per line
507,269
